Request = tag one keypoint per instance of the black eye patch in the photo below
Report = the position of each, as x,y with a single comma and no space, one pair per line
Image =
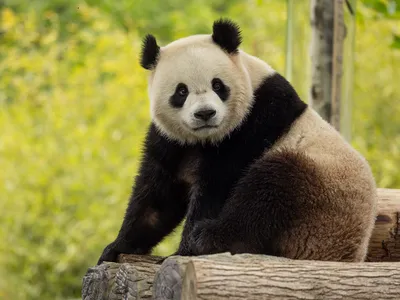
179,97
220,89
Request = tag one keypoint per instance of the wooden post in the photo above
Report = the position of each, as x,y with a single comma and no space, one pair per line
289,41
327,24
337,62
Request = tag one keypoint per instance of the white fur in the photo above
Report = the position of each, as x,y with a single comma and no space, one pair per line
195,61
202,101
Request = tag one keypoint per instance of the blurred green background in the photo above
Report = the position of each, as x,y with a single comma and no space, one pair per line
74,111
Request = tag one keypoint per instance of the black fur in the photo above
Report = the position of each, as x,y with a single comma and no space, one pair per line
264,206
227,35
150,52
223,92
220,170
155,190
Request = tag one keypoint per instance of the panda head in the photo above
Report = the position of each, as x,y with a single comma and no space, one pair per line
199,89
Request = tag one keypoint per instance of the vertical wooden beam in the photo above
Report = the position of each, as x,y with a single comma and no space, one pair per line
348,69
337,62
327,36
289,41
321,56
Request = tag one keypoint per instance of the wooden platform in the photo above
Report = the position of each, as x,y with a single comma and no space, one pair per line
226,276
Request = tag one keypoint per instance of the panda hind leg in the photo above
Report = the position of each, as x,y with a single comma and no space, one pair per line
267,203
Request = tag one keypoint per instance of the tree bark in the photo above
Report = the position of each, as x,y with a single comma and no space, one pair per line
168,281
263,277
327,38
98,282
131,278
321,56
337,63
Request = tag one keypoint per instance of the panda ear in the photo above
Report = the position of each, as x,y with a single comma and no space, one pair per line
150,52
227,35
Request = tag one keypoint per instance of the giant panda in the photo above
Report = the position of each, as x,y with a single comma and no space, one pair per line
233,149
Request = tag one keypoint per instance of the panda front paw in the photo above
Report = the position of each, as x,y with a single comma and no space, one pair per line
119,246
206,238
110,253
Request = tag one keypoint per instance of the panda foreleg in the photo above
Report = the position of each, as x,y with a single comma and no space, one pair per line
157,205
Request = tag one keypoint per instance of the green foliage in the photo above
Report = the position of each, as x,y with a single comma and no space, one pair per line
396,41
74,110
386,9
376,109
72,118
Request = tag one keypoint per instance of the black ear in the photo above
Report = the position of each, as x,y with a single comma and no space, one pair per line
150,52
226,34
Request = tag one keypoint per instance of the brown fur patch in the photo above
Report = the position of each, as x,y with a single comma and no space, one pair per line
333,220
188,169
339,223
151,217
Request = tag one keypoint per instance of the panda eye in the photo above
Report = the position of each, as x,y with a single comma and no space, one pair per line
216,84
178,99
182,90
219,87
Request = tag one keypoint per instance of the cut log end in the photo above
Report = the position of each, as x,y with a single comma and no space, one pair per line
189,290
98,281
167,281
131,280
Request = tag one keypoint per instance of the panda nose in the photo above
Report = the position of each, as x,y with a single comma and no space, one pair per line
205,115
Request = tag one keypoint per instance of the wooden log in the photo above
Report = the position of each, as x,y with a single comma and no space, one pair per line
131,278
98,281
264,278
138,259
168,280
385,241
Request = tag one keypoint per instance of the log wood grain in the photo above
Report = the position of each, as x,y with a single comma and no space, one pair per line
266,278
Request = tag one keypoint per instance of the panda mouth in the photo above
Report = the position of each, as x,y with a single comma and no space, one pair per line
204,127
